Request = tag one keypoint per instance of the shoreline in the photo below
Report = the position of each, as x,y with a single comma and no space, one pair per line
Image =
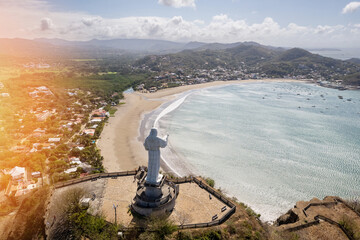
121,142
137,117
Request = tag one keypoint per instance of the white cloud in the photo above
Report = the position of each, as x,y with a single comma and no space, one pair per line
46,24
178,3
89,21
24,22
351,7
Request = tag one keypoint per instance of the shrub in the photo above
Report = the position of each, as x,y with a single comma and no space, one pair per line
350,226
160,226
210,182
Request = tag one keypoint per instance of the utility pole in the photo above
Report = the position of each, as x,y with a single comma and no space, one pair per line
115,207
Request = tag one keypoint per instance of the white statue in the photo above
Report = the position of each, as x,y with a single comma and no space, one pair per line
152,145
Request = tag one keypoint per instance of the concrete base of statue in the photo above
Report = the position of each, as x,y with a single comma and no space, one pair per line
158,180
155,200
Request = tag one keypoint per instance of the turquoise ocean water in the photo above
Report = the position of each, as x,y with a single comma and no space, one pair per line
270,144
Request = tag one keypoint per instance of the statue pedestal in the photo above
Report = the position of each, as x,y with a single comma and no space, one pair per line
158,180
153,199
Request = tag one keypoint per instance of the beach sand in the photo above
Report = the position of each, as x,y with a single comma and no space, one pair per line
119,142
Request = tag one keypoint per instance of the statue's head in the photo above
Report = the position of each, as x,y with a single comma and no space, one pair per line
153,132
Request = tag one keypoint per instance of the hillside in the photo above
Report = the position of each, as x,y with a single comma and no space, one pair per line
247,59
256,59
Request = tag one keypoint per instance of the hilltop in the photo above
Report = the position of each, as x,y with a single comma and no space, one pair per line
253,60
239,60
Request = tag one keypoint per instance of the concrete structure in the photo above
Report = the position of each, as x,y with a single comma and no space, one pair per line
155,195
153,144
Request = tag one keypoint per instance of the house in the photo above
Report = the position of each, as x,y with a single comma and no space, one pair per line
36,174
90,132
74,159
43,116
20,149
82,165
33,94
42,90
96,120
153,89
71,170
75,162
47,145
99,113
54,140
39,132
94,126
17,173
140,87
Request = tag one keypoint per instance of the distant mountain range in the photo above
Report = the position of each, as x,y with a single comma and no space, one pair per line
167,55
257,59
43,47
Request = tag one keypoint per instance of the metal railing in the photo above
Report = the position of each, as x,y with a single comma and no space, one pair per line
318,217
94,177
202,183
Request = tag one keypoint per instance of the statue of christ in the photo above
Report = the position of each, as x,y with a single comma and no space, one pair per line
153,144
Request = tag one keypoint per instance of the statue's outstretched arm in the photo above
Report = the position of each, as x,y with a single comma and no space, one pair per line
163,143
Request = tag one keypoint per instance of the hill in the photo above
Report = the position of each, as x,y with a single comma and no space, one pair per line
354,60
248,59
256,59
45,47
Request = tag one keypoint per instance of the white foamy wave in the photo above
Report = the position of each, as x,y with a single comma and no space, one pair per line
169,109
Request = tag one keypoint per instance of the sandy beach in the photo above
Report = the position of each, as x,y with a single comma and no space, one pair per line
119,142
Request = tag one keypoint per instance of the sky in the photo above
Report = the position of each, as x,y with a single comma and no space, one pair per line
285,23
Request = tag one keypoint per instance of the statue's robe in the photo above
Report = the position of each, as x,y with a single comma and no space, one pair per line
152,145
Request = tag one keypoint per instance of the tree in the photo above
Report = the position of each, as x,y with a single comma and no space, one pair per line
74,222
4,180
37,162
158,228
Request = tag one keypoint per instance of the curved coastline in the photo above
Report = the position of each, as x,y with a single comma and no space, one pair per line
121,140
284,197
171,161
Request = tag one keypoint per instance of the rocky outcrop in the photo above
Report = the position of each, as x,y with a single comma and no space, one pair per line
289,217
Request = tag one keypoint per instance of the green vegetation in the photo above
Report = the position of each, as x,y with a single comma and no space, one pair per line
85,60
354,203
253,61
210,182
112,111
29,220
100,85
74,222
353,79
7,206
4,181
351,227
158,228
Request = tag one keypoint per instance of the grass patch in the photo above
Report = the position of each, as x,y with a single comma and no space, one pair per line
351,227
158,228
112,111
84,59
73,221
104,73
210,182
